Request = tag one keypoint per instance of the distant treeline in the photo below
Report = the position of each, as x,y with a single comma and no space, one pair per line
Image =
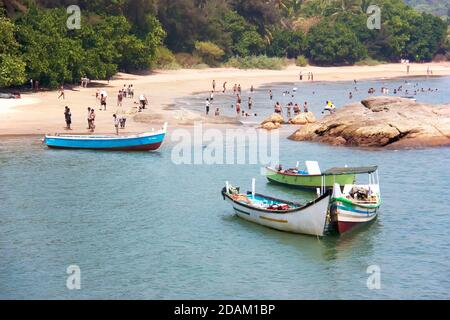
132,35
438,7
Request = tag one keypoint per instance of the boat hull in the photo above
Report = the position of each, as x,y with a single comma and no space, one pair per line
148,142
309,220
346,216
308,181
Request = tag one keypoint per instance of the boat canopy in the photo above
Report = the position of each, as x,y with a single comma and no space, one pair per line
349,170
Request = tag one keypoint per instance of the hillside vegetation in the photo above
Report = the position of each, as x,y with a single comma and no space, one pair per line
437,7
132,35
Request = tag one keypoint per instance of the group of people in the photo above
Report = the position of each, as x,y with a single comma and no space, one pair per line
34,85
278,109
126,91
237,91
84,82
309,74
119,122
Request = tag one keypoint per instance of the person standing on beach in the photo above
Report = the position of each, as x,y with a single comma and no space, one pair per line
103,101
116,123
224,87
214,85
239,89
207,106
32,84
301,76
119,99
61,93
124,91
142,102
312,76
68,117
270,95
252,89
250,103
92,120
408,67
305,107
131,92
89,119
211,96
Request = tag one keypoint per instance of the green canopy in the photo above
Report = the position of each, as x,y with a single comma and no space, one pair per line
355,170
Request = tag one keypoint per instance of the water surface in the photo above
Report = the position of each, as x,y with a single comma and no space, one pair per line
141,227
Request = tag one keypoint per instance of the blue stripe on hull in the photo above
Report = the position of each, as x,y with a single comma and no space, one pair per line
105,144
240,211
368,212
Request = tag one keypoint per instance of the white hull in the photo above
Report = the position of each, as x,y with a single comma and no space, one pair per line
354,213
310,220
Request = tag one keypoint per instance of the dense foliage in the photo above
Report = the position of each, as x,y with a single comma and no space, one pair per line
129,35
438,7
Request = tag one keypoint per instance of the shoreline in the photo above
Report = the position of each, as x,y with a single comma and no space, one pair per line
163,88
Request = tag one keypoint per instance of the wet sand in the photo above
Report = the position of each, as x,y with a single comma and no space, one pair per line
41,113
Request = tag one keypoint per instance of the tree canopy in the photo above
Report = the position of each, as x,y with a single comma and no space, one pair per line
125,35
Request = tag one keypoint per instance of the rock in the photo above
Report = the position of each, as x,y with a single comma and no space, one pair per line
382,122
270,126
303,118
311,117
274,118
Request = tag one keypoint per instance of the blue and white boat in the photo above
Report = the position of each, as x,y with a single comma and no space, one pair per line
309,218
147,141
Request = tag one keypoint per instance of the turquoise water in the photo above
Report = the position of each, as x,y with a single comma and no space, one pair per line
317,94
142,227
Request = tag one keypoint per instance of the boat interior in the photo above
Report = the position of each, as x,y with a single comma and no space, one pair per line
261,202
362,194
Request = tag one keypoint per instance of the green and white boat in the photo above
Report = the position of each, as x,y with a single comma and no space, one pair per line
312,177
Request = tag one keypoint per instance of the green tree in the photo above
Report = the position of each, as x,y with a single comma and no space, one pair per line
12,67
287,43
427,36
209,52
334,44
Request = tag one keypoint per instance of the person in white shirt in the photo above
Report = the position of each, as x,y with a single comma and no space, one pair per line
207,106
143,101
116,123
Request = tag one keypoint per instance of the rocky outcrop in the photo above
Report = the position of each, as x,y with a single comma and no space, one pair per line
273,122
303,118
274,118
270,126
382,122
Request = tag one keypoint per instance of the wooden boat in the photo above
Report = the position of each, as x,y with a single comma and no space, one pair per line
312,177
278,214
148,141
355,204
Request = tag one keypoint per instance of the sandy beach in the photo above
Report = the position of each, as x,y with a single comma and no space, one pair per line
41,113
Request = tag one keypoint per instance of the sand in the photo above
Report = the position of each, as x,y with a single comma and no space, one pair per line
41,113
